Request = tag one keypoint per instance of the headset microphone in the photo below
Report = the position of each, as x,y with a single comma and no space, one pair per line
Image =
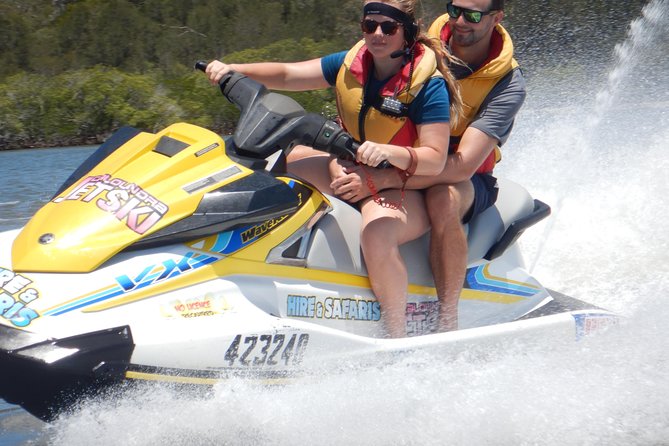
403,52
398,53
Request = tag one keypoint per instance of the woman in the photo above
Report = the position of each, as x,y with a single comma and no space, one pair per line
391,95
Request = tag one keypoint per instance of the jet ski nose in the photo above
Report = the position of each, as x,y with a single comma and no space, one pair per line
38,372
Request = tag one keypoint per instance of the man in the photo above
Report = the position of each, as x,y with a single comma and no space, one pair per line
493,90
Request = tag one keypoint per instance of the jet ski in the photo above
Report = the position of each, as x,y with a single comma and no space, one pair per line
187,257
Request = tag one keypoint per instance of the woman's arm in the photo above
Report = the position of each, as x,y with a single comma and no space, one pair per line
431,152
290,76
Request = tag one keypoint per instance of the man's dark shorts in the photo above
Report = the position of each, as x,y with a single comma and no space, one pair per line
485,195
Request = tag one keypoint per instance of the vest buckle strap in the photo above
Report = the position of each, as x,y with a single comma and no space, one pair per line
392,107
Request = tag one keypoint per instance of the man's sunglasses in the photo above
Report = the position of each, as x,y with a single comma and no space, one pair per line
389,28
471,15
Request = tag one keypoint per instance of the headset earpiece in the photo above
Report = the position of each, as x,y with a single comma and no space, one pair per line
412,32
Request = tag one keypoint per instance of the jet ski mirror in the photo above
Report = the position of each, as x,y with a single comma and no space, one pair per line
271,121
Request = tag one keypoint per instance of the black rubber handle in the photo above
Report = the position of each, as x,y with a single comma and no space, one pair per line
385,164
201,65
347,144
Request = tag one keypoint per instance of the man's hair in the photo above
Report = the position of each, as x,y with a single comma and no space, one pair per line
497,5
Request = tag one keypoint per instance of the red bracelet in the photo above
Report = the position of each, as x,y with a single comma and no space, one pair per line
404,176
413,163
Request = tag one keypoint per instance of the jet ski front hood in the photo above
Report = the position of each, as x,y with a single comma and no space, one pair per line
142,185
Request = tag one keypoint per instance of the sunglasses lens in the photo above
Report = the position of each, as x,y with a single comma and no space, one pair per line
369,26
473,16
453,11
388,28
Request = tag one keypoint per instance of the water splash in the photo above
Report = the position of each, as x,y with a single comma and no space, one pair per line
642,38
510,397
586,140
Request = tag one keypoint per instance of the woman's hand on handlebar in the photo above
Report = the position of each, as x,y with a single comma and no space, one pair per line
373,154
216,70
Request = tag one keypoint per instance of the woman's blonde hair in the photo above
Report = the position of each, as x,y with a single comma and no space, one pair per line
444,58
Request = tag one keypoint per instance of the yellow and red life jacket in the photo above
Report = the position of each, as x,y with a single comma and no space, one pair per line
378,126
476,87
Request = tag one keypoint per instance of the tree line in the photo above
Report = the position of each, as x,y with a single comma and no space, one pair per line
73,71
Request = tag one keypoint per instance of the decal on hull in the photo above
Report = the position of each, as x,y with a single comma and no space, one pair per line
588,323
480,278
126,201
267,350
229,242
208,305
422,317
15,295
333,308
149,276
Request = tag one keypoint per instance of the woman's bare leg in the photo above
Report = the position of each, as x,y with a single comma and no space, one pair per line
384,229
310,165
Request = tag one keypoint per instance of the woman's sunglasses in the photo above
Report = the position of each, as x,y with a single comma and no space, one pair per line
389,28
471,15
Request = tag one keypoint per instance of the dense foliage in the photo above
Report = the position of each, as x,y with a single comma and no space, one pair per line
72,71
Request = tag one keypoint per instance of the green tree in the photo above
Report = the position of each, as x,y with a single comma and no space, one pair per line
82,106
93,65
13,41
87,33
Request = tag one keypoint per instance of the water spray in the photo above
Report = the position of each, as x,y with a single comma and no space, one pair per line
642,36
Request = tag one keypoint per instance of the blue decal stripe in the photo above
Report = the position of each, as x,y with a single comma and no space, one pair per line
85,304
235,241
95,298
222,241
143,285
203,260
478,281
143,274
500,284
125,282
127,285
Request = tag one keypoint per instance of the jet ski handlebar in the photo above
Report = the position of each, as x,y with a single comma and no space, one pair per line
271,121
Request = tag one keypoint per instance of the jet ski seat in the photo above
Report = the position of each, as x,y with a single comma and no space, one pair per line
335,241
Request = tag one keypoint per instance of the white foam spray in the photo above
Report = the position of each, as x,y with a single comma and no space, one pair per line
595,141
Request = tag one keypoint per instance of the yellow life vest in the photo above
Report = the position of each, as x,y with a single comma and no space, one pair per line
476,87
379,126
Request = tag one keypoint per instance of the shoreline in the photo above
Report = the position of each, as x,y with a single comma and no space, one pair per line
50,144
7,144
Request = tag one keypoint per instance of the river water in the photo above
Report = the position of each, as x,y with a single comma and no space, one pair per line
591,141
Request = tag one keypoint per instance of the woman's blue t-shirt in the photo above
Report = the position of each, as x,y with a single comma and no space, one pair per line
430,106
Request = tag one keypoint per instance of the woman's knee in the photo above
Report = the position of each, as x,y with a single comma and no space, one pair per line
314,169
378,237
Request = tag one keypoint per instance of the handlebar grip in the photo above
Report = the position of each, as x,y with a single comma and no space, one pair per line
382,165
333,139
201,65
355,145
385,164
